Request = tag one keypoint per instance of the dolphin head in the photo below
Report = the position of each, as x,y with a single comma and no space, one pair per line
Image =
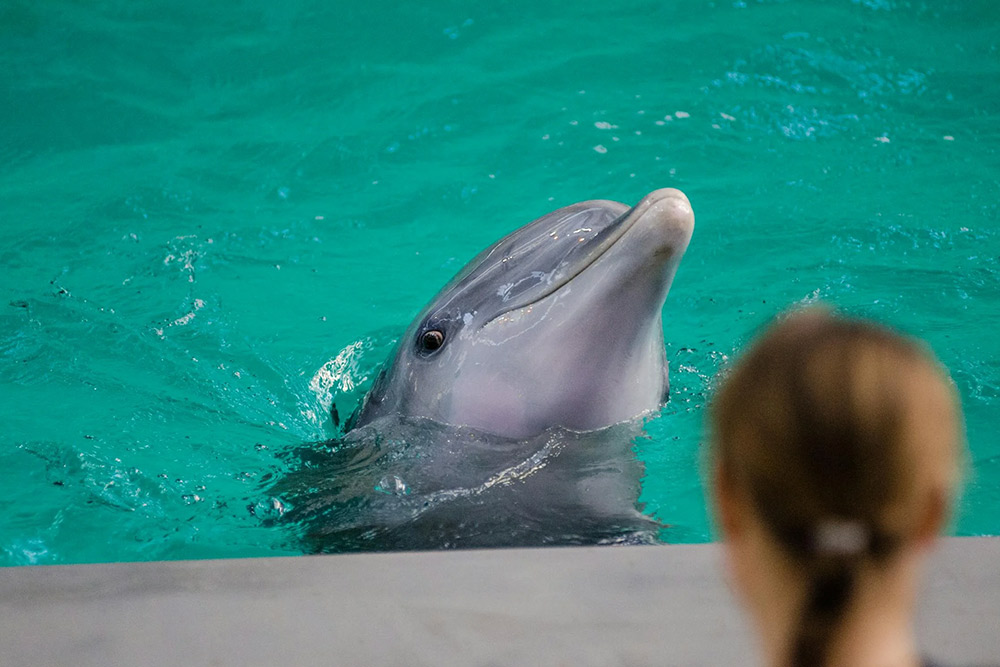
556,324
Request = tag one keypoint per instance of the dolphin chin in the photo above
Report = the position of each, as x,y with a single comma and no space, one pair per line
557,324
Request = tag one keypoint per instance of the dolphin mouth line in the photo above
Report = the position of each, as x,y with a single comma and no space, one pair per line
621,226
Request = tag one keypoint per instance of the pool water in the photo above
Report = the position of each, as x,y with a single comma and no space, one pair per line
215,218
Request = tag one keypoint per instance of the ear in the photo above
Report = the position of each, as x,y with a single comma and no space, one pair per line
727,511
934,516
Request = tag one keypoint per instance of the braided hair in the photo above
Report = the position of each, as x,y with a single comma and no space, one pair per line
835,429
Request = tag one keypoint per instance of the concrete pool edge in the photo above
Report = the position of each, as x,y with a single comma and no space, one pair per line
655,605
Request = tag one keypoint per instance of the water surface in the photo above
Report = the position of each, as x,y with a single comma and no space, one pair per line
216,217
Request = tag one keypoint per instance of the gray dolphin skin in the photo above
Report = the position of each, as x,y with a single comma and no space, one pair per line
556,325
506,415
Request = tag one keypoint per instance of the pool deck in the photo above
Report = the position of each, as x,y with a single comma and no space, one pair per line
655,605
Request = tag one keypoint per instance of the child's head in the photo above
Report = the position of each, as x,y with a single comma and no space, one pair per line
844,440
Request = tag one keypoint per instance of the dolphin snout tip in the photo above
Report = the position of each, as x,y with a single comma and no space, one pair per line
668,207
666,193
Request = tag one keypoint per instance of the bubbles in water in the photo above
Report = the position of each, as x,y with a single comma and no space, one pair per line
272,508
30,551
183,320
392,485
185,251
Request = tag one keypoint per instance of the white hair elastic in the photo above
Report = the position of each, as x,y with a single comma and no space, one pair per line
841,538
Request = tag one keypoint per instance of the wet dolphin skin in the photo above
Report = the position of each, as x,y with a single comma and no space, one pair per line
556,325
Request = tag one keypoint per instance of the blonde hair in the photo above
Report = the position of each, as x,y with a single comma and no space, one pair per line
840,433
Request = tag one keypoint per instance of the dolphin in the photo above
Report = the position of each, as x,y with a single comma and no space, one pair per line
557,324
506,414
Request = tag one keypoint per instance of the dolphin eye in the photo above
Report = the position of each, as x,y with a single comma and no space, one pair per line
432,340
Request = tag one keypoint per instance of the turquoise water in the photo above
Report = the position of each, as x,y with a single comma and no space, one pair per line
216,217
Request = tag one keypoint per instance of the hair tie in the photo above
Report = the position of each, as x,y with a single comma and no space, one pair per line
836,537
